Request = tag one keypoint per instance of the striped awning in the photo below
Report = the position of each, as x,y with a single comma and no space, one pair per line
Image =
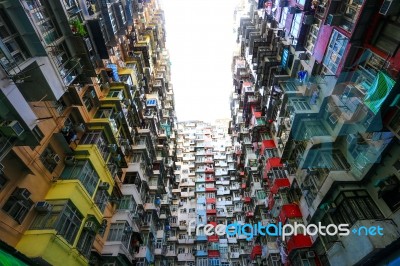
378,92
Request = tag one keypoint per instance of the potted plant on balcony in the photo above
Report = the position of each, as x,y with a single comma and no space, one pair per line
77,27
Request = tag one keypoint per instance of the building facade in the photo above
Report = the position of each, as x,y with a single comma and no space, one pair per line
87,133
315,106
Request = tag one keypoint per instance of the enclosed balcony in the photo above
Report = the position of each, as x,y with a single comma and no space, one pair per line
289,211
299,241
345,251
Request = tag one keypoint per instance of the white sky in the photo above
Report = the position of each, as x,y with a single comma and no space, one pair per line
200,41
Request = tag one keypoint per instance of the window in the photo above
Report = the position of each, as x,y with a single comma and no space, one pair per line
37,133
18,204
141,262
201,262
104,113
85,242
3,180
295,29
84,172
181,250
223,249
119,232
299,104
98,138
101,199
353,206
88,99
127,202
336,48
388,38
64,217
49,159
115,93
14,51
213,262
389,188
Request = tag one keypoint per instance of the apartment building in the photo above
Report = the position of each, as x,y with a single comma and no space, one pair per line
315,114
205,192
87,133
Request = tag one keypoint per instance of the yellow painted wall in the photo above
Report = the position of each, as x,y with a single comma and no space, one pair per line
54,249
97,162
73,190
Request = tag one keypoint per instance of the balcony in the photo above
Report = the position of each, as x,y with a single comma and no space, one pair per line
210,200
211,211
201,253
186,257
245,250
45,243
213,238
299,242
289,211
346,252
201,238
280,183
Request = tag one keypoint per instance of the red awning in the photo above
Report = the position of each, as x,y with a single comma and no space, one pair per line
246,199
255,113
256,251
289,211
279,183
213,254
247,84
210,200
213,238
273,162
298,241
267,144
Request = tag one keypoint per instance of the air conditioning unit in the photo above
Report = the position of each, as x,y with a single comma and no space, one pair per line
334,19
22,193
303,56
42,206
53,158
112,147
104,186
308,19
310,254
390,7
90,225
11,128
69,160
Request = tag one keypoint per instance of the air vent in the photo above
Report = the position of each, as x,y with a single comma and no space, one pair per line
11,128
